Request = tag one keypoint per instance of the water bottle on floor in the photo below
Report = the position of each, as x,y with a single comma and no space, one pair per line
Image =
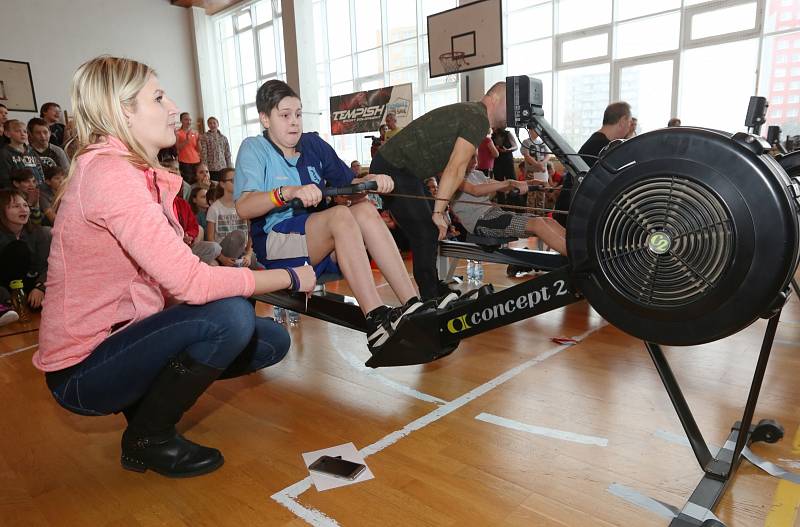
293,318
279,314
470,271
478,271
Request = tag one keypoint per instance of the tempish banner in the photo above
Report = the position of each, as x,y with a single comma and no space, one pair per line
365,111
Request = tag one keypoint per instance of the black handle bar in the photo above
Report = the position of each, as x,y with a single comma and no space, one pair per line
347,190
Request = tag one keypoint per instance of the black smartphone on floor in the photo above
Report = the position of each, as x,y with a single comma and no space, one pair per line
337,467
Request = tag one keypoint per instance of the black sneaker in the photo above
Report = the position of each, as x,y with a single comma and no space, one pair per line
382,322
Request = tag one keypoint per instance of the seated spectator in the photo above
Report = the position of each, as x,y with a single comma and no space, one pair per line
225,227
199,203
24,249
23,180
49,154
3,119
493,221
17,154
215,151
283,164
355,167
53,178
193,234
673,122
51,113
202,177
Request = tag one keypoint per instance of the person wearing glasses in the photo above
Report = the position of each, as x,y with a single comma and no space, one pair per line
107,341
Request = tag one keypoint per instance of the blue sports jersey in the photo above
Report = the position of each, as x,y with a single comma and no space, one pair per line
261,167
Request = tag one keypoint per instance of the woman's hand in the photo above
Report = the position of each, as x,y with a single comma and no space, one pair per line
385,183
246,260
309,194
35,298
308,279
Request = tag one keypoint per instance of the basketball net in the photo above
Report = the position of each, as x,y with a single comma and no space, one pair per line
452,62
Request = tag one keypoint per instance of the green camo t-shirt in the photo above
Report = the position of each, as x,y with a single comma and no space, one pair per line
424,146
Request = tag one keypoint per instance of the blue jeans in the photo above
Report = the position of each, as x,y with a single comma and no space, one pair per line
224,334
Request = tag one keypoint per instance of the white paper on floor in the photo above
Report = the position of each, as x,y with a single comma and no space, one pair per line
347,451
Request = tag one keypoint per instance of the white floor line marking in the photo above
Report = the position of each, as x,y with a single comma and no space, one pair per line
791,463
355,362
288,496
638,499
9,353
541,431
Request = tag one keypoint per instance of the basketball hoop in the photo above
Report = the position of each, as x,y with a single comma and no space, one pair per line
452,62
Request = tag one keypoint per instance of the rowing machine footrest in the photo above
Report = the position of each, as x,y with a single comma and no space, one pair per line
416,341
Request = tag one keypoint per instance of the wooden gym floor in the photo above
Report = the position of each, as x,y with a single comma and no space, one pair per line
595,438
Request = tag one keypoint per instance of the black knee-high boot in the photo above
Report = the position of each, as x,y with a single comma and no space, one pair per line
151,441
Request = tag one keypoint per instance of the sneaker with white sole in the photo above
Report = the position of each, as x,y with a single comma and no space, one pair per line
383,322
7,315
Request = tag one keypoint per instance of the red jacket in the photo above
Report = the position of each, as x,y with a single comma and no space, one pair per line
186,217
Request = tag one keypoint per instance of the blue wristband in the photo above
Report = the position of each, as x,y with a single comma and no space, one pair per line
295,285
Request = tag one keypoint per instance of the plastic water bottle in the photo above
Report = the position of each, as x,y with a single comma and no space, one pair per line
293,318
279,314
470,271
19,301
478,272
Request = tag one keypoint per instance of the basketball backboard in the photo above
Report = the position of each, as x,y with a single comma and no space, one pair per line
465,38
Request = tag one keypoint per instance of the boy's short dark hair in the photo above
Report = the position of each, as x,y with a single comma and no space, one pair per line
180,117
36,121
51,172
46,107
271,93
21,174
224,172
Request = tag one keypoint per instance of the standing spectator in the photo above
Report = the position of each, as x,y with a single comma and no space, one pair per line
51,113
378,141
616,125
53,178
487,153
391,126
215,151
673,122
632,129
49,154
18,154
3,119
504,164
24,248
188,153
535,154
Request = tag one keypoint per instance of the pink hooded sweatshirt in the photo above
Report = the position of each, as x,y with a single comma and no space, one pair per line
117,255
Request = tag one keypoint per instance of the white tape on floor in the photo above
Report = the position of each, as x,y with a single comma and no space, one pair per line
635,497
20,350
355,362
288,496
541,431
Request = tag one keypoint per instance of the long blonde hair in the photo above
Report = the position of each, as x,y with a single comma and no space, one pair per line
101,88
